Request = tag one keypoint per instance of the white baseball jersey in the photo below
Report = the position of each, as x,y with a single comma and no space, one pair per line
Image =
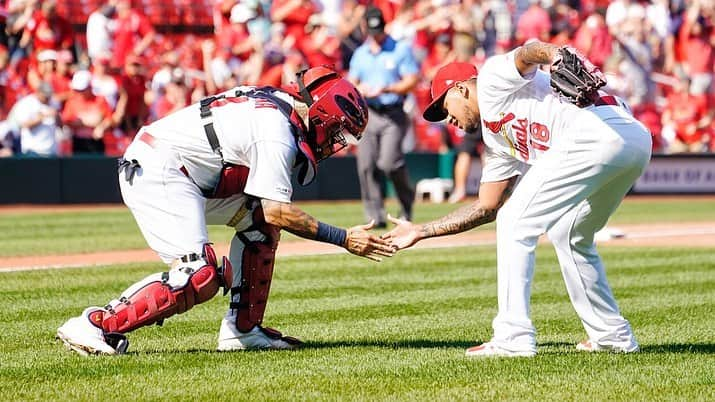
252,133
521,117
580,162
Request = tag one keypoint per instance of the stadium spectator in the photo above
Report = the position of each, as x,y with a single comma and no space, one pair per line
686,121
321,47
47,30
697,38
593,39
636,57
105,84
134,33
349,31
385,71
87,116
100,30
19,13
176,96
162,76
13,84
135,110
534,23
63,75
295,15
36,115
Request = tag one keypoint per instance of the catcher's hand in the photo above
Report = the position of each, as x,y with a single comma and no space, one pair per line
360,242
575,78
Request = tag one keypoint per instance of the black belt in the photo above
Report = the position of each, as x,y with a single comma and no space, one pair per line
386,108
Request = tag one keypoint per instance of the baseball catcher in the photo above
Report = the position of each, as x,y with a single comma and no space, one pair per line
227,160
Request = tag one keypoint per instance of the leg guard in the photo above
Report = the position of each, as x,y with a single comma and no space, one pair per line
252,282
194,280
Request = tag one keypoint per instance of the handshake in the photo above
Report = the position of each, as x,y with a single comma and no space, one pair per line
360,241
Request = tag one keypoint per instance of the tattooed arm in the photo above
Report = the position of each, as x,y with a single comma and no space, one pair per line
356,240
491,197
530,56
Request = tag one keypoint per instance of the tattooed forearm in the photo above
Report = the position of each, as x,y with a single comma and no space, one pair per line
290,218
467,217
463,219
537,53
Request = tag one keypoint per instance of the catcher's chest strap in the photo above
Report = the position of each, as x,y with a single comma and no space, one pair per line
206,118
607,100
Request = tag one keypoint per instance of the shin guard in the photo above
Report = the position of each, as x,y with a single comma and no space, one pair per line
194,280
256,250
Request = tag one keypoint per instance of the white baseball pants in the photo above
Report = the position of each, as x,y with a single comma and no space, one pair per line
569,194
169,208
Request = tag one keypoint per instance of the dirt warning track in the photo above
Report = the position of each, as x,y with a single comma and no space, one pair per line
680,234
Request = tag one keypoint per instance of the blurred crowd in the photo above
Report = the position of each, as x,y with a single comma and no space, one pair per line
81,76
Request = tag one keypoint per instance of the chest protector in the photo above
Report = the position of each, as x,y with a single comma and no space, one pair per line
232,178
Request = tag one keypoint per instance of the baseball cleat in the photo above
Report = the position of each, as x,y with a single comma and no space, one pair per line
82,336
230,338
490,349
591,346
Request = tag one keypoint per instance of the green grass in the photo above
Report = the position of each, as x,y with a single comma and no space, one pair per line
390,331
25,234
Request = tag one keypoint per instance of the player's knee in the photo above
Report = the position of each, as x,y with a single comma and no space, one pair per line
387,166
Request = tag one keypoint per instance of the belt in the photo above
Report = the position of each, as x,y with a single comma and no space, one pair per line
608,100
151,141
386,108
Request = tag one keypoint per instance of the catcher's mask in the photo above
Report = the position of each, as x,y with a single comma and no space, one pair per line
337,113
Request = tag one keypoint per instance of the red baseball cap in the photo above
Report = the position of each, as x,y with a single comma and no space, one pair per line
447,77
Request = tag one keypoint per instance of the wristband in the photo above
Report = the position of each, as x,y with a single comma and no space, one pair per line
331,234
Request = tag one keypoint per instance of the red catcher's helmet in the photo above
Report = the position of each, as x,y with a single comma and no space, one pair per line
337,112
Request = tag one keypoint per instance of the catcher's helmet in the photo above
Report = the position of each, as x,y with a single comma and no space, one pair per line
337,112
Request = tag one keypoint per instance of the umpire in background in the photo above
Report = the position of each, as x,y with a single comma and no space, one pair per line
384,70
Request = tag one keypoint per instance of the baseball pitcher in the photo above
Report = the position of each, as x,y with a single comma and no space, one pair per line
577,152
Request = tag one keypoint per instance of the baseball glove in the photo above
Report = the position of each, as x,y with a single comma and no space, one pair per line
575,78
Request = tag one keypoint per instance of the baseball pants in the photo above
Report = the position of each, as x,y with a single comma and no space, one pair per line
569,194
380,152
169,208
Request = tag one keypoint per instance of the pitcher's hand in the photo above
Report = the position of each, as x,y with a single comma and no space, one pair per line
405,234
361,242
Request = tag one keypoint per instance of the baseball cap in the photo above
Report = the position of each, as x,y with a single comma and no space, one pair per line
47,55
241,13
81,80
446,78
375,20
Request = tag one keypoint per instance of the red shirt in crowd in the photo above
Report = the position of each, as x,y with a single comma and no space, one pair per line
87,111
535,23
696,49
55,34
230,36
328,53
593,39
130,30
685,111
295,21
135,85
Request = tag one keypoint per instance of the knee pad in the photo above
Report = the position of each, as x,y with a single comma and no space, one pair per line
249,295
192,281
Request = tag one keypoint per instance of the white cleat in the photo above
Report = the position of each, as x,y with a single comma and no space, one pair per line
82,336
491,349
591,346
230,338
